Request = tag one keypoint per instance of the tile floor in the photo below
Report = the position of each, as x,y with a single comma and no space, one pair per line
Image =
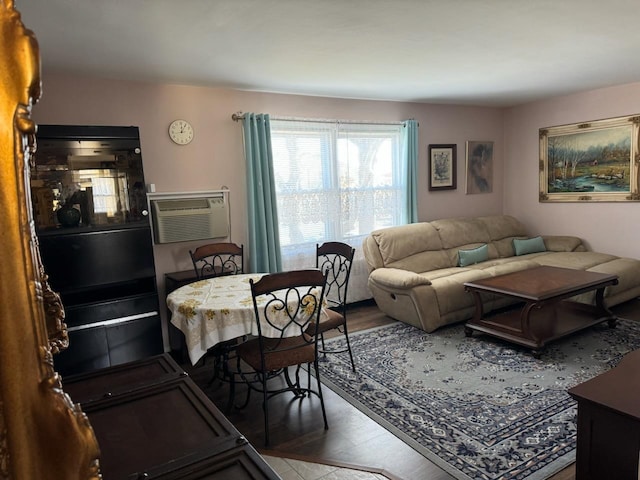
290,469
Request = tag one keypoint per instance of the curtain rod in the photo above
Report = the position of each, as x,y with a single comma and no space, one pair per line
236,117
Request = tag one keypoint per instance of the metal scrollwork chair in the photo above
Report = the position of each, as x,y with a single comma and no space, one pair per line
213,260
335,260
216,259
285,304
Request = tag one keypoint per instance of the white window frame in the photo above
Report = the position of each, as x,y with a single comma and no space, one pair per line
300,254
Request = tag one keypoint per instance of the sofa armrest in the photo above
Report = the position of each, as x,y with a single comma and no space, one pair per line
563,243
399,279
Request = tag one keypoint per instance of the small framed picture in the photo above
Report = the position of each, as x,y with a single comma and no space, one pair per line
479,167
442,167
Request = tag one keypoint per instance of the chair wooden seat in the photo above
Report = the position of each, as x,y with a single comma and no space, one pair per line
285,304
287,351
332,321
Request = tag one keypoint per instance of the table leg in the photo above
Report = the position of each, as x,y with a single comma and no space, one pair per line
604,310
479,313
520,332
526,331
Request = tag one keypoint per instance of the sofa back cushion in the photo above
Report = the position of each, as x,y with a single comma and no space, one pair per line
415,247
426,246
457,232
462,234
502,230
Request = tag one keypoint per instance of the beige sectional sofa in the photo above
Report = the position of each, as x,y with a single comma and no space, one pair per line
415,277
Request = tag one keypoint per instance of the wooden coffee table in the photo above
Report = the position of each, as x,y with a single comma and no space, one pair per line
546,315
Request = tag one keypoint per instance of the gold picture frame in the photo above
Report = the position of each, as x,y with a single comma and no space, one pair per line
594,161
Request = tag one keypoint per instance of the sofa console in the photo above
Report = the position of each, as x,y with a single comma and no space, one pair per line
418,271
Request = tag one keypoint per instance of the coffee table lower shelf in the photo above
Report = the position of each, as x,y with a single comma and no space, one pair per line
534,326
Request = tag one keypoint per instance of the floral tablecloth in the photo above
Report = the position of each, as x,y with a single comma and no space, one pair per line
214,310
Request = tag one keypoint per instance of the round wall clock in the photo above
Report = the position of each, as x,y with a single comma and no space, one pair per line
181,132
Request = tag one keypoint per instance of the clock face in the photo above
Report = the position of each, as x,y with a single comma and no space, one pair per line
181,132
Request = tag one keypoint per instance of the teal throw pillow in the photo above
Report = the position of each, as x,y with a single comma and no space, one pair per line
473,255
528,245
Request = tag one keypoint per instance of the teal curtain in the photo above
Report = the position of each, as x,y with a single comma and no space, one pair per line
411,154
264,240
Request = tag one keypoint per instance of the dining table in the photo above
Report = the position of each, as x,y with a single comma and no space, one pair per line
217,309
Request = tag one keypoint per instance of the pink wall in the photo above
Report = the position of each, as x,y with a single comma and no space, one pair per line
606,227
215,157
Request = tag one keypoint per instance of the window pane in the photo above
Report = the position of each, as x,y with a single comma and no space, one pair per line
336,181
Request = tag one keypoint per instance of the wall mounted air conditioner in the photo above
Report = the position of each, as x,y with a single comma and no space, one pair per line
193,218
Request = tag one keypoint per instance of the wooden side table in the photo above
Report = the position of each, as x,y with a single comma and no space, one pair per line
609,423
173,280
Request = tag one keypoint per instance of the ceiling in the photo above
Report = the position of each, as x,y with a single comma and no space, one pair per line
471,52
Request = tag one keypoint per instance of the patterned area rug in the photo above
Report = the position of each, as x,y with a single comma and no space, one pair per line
479,408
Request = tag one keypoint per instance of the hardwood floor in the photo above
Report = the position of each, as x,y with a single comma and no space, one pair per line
353,439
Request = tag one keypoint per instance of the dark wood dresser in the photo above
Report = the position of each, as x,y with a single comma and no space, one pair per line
153,422
609,423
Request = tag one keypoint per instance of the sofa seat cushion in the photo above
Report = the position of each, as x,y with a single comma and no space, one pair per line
576,260
627,270
450,290
443,272
529,256
429,259
501,268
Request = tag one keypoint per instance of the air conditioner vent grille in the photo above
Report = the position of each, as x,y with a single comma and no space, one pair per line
186,204
197,226
181,220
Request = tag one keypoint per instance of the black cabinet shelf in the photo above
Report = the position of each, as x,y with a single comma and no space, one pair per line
103,268
108,288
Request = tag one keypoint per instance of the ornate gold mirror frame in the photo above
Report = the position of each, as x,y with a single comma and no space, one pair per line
43,435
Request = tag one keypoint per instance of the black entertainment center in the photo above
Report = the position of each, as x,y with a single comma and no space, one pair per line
93,229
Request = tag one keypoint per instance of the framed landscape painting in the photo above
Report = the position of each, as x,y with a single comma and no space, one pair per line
479,167
442,167
590,162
